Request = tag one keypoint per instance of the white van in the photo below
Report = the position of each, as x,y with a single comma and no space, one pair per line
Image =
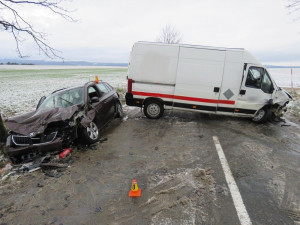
223,81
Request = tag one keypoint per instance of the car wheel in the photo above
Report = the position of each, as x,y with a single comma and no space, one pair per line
91,133
119,110
153,109
262,115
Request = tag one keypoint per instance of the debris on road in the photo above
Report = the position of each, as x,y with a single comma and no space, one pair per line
7,167
64,153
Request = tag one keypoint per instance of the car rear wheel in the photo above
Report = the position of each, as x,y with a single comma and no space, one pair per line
153,109
119,110
262,115
91,133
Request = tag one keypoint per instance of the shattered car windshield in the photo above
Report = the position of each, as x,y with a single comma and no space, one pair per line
64,99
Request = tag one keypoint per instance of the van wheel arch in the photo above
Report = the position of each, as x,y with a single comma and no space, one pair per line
153,99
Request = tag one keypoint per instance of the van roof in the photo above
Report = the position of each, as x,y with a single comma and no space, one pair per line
192,46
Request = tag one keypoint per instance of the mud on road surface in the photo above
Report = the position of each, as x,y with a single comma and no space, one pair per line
176,165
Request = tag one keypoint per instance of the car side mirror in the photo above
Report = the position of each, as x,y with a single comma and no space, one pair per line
272,89
42,99
95,99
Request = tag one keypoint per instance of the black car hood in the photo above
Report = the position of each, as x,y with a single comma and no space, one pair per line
38,120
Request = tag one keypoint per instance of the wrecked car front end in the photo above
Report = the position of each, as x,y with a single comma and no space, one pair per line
52,126
45,136
22,147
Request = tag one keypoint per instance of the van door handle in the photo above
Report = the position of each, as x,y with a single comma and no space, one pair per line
242,92
216,89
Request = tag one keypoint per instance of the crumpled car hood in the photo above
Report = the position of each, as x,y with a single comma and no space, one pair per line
37,121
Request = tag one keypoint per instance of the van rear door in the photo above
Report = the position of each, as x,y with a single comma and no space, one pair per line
199,77
256,90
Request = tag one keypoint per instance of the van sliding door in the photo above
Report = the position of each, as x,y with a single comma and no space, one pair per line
199,76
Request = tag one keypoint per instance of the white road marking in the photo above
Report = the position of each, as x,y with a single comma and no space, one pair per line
234,190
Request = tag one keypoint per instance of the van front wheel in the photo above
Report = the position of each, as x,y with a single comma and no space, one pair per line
262,115
153,109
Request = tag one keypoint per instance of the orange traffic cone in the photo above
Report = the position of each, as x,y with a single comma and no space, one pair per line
134,191
96,79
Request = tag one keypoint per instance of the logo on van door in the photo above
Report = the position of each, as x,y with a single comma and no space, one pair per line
228,94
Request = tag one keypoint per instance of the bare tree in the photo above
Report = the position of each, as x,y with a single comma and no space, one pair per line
13,21
169,35
293,6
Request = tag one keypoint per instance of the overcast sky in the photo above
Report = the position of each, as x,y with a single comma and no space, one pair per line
107,29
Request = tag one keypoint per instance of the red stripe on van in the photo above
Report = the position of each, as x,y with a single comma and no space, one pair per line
183,98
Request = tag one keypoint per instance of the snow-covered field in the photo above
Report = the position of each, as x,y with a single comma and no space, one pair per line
21,87
283,77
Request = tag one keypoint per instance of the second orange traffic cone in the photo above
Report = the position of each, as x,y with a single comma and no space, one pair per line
134,191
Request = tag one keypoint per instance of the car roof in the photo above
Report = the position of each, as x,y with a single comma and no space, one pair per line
70,88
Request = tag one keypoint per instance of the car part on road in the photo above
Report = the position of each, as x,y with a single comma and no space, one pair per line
153,109
64,153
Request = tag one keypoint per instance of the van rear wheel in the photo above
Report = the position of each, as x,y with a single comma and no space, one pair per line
262,115
153,109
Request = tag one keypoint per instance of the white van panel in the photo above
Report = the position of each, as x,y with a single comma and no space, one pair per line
154,63
202,54
199,71
249,58
153,88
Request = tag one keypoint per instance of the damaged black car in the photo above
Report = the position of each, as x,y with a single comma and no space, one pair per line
61,118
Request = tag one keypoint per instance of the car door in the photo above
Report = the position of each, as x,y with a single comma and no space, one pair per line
256,90
108,99
100,106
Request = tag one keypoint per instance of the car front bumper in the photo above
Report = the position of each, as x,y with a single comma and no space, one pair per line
15,151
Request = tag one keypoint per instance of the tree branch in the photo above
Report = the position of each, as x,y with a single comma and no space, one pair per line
19,27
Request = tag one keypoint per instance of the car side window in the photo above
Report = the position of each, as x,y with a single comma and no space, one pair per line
110,88
92,93
102,88
254,77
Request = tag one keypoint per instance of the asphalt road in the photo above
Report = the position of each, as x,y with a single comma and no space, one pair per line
177,167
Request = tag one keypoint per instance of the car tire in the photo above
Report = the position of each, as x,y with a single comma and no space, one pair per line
119,110
153,109
90,133
262,115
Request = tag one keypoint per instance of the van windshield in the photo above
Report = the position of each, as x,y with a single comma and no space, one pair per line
266,84
64,99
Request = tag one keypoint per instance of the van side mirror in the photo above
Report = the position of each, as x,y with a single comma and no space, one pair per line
42,99
272,89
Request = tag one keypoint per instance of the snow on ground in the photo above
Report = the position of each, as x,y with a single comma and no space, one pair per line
21,87
283,77
20,90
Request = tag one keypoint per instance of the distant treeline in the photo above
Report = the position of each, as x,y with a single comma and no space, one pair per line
13,63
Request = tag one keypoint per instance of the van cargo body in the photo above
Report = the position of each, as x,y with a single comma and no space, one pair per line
205,79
